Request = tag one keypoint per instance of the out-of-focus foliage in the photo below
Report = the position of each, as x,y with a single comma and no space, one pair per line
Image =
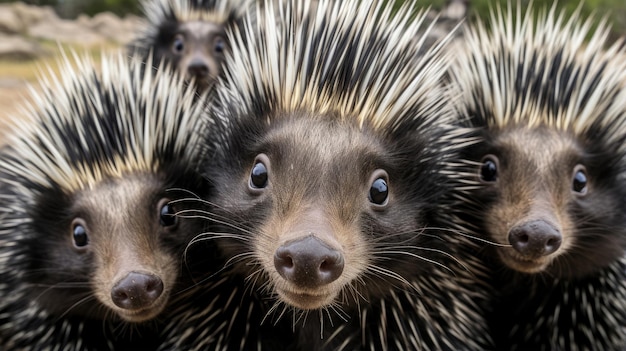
614,10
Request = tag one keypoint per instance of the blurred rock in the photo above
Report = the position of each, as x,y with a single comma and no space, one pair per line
15,47
65,31
10,23
42,23
30,15
112,27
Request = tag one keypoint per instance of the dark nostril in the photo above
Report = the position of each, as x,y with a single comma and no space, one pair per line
137,291
535,238
308,262
198,69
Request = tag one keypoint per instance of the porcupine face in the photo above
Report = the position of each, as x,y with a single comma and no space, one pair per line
322,209
555,199
195,48
112,246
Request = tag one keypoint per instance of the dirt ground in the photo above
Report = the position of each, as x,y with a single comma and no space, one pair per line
17,76
13,92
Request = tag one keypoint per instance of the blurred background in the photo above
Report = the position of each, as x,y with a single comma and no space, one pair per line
32,32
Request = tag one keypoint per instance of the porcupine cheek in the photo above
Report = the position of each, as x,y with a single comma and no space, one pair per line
534,232
134,271
307,261
134,283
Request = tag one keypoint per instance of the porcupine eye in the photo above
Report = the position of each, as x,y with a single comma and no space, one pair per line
219,45
178,45
167,215
579,184
489,169
259,173
379,190
79,234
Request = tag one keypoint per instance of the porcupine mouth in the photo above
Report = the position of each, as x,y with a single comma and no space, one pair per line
142,315
305,300
523,264
201,83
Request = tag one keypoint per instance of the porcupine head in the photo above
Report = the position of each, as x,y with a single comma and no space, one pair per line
328,172
88,181
547,179
190,35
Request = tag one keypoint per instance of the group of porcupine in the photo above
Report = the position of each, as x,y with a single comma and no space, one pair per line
321,175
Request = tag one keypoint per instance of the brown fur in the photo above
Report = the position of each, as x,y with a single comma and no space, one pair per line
200,39
535,174
327,204
122,220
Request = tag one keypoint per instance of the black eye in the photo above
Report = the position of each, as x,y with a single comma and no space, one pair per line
580,180
259,174
489,169
167,214
178,45
220,45
379,190
80,235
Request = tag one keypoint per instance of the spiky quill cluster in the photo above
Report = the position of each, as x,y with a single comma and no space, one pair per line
83,127
543,74
355,62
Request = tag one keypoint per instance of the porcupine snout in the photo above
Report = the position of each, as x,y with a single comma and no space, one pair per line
535,238
198,68
137,291
308,262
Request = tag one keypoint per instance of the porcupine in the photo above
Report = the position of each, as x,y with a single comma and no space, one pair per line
90,247
189,35
325,168
546,182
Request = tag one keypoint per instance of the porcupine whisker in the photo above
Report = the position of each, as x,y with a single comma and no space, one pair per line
51,287
211,204
206,236
447,254
210,236
385,272
272,309
354,292
252,281
408,239
469,236
336,307
199,214
238,258
419,257
220,219
83,300
63,285
194,195
253,277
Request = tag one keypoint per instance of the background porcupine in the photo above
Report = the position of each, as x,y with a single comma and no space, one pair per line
546,182
189,34
90,249
326,169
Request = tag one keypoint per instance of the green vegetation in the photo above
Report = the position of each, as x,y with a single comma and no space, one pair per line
613,10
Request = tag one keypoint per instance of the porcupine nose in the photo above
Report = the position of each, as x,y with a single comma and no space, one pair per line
535,238
308,262
198,68
137,291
